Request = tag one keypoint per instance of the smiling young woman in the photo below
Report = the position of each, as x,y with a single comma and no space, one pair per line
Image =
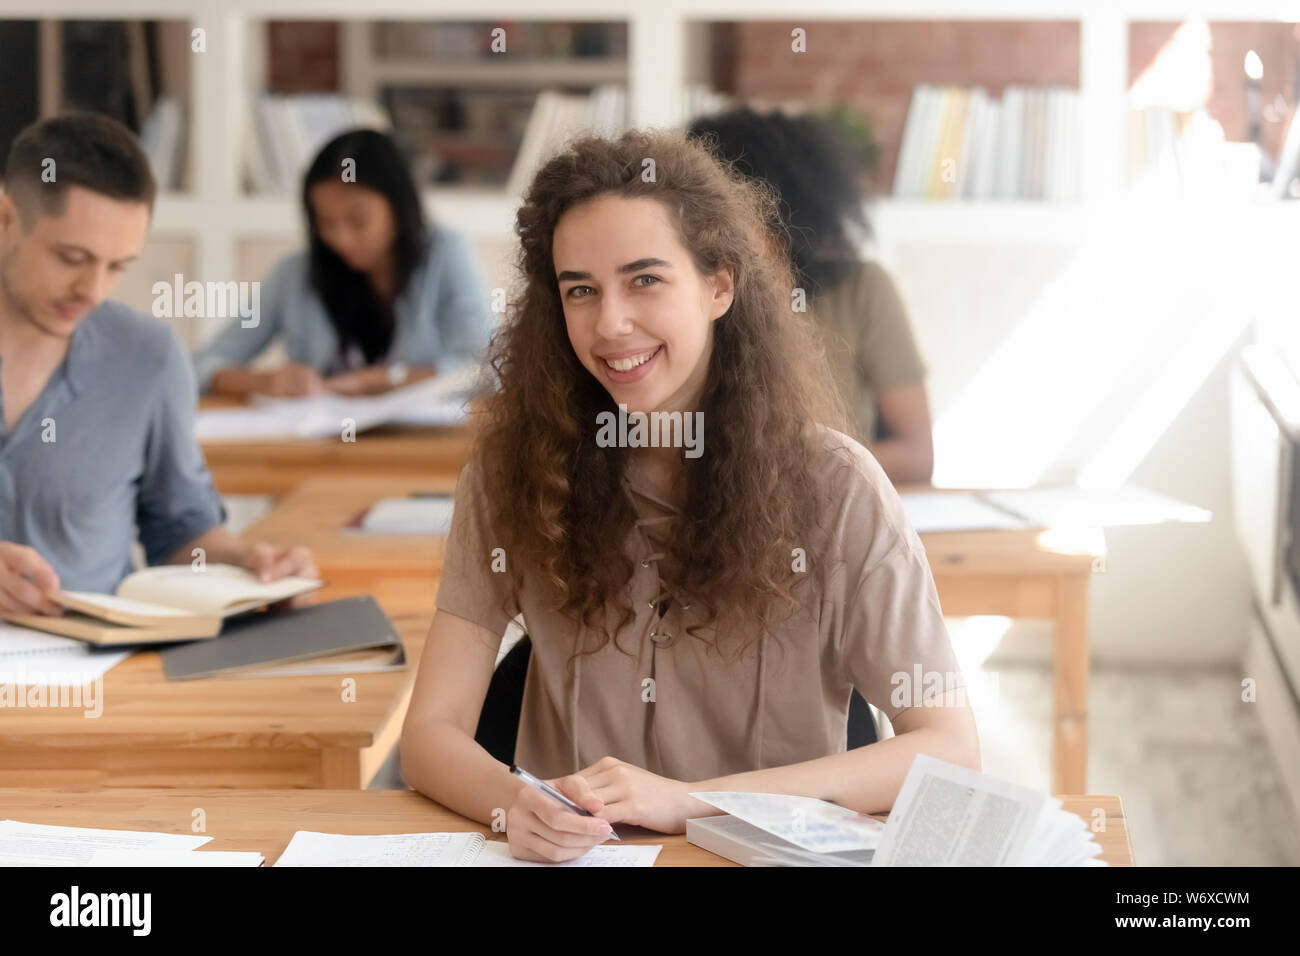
696,623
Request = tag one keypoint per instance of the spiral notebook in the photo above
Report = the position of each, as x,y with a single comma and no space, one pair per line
30,657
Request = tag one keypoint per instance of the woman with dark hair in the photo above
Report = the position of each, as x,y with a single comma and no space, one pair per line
873,354
699,612
379,299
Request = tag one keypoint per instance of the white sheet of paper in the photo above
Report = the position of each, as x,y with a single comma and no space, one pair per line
187,858
63,668
953,511
428,516
497,853
309,848
26,640
441,400
805,821
1074,507
35,844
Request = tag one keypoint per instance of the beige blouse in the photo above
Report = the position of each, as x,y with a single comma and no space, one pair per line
877,626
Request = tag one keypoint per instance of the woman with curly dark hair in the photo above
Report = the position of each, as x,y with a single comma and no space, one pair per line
697,621
873,354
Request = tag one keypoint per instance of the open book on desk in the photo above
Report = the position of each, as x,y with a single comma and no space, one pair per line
165,603
945,815
441,400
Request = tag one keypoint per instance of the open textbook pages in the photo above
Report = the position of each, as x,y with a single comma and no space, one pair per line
308,848
947,815
164,603
441,400
806,822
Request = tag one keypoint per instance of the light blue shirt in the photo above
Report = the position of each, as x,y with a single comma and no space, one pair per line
442,316
108,445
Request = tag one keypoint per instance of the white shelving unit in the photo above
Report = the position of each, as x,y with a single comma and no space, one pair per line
216,216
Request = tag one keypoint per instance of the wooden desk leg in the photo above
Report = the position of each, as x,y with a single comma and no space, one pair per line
1070,686
341,769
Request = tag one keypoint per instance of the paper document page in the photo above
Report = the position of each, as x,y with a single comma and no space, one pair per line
34,844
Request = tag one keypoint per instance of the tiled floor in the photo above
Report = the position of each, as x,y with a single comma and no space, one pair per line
1185,754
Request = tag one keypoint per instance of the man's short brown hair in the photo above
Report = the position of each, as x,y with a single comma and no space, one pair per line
87,150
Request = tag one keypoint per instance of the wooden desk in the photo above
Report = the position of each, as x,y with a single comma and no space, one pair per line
264,821
314,514
1031,574
1019,574
277,467
253,733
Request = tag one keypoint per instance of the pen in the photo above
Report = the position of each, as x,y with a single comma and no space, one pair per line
554,794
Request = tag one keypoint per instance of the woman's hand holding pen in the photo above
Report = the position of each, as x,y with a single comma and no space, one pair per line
544,831
630,794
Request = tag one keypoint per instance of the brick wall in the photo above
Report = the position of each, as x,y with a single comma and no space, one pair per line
303,56
873,67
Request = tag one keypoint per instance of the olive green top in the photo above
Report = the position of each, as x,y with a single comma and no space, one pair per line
869,344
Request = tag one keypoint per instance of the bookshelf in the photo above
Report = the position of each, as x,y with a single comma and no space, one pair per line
662,43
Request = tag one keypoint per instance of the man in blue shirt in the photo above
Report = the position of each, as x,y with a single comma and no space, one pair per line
96,401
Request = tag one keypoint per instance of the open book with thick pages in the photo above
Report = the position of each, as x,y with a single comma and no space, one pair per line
945,815
165,603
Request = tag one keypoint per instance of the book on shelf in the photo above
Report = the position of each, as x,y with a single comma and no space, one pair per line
463,41
556,118
283,134
161,136
964,143
165,603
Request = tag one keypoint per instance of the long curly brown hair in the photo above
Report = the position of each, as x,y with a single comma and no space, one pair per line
559,504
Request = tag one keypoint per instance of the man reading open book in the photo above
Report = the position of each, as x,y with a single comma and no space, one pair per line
96,401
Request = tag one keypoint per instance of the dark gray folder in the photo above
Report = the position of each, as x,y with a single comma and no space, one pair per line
347,636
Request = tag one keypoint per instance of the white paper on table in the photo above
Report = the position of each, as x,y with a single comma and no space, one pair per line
805,821
35,844
27,640
497,853
1074,507
62,668
428,516
173,857
309,848
929,511
440,400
